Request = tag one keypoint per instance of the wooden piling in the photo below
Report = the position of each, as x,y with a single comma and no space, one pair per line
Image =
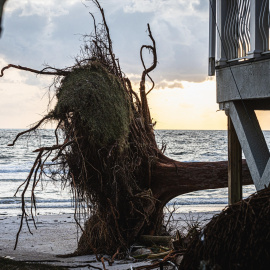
235,165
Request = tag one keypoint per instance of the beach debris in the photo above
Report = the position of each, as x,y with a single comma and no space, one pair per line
178,242
237,238
161,257
141,251
170,260
155,240
8,263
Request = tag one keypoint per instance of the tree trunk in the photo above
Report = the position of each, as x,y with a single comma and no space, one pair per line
172,178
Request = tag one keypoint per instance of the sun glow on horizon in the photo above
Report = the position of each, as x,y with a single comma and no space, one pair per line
191,107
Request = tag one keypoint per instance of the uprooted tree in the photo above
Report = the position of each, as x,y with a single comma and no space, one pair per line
108,154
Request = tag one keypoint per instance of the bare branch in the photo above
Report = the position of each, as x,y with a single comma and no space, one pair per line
154,52
23,196
152,49
31,129
95,25
127,81
41,72
108,39
145,108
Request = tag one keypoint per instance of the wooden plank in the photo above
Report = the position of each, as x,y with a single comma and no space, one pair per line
235,165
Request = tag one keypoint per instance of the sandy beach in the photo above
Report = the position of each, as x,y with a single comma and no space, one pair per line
58,235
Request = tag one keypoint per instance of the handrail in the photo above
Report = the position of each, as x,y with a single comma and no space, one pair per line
243,30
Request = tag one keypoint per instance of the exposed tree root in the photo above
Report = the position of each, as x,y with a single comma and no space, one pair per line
108,165
45,71
237,238
108,156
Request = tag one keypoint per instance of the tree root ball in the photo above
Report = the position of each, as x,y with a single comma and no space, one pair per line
237,238
100,101
102,162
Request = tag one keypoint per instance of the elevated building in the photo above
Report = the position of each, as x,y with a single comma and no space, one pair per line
239,55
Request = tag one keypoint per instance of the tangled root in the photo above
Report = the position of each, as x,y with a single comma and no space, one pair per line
108,145
237,238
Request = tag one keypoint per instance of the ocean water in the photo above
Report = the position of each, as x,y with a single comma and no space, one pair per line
185,146
15,164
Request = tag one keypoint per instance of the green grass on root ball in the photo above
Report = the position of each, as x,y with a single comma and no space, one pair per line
99,99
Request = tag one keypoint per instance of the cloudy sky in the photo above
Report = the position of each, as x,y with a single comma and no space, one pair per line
38,32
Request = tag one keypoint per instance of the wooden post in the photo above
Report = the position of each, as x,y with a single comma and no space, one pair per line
235,165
